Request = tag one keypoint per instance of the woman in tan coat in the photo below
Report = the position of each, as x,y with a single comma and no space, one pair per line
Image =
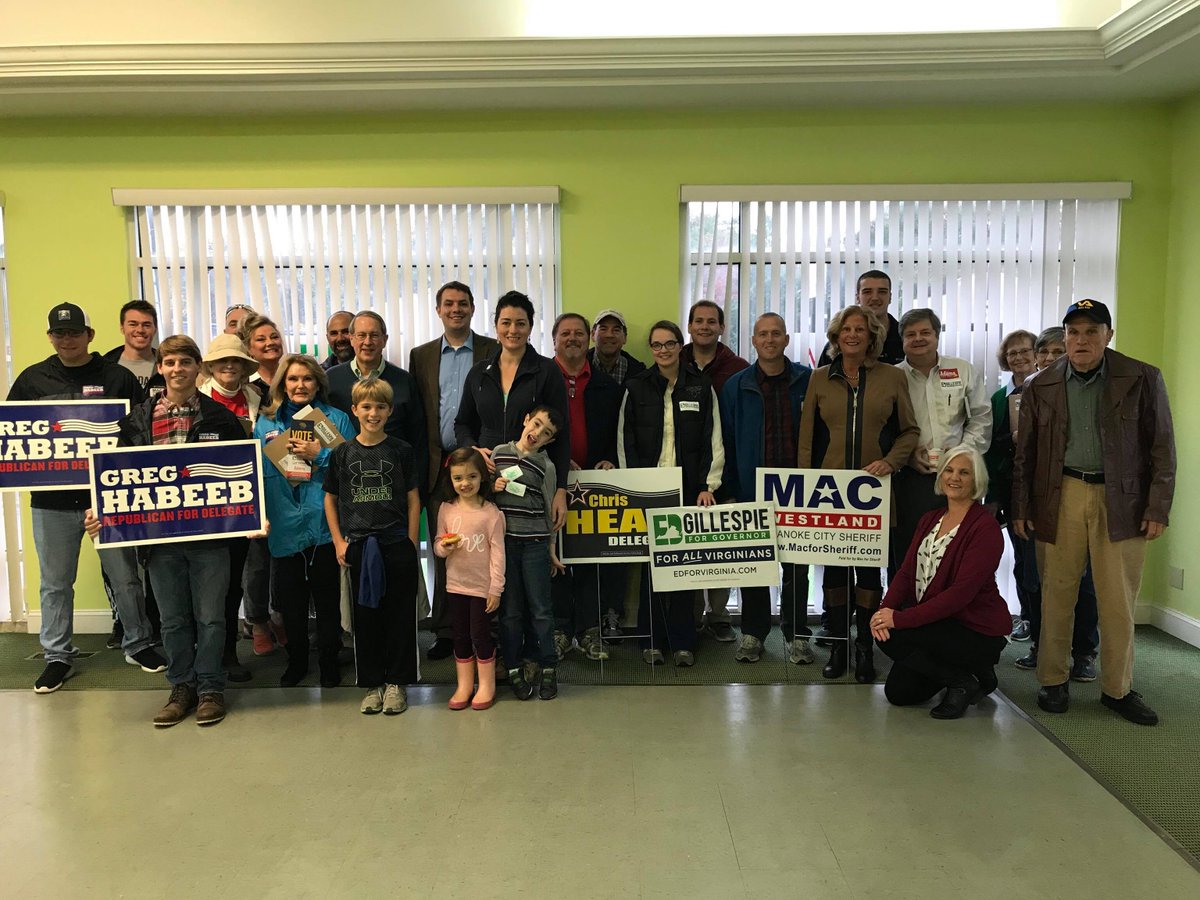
857,415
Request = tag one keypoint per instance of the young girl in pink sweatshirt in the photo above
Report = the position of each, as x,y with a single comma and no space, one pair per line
471,539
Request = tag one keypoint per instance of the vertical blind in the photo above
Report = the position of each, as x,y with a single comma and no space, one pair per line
986,266
301,262
11,580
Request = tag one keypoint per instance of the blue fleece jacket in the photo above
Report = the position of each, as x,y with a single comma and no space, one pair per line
742,424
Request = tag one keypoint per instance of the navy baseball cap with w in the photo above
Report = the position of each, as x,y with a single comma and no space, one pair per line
70,317
1093,309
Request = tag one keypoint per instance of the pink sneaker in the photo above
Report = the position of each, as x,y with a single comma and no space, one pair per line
280,633
264,644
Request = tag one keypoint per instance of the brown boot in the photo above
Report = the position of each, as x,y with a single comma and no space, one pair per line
486,695
211,709
181,702
465,669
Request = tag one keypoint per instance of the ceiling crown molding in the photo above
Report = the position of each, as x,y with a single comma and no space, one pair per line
985,66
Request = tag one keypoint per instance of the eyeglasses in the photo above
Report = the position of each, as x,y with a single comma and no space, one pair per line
238,306
367,336
1013,354
63,333
663,345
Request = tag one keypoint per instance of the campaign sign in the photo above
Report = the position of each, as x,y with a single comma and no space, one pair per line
731,545
44,445
831,517
177,492
606,512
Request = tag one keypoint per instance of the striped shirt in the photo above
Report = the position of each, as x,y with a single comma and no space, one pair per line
527,516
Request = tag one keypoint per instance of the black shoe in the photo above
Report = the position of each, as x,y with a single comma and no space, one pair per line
331,674
148,660
521,688
1083,668
721,631
549,687
1055,698
836,667
956,700
293,675
441,649
117,637
864,664
1029,660
52,677
1132,707
987,681
234,670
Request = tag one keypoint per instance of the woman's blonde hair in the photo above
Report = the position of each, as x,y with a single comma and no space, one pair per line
877,329
278,391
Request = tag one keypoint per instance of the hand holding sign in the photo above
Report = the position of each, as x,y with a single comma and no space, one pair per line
91,524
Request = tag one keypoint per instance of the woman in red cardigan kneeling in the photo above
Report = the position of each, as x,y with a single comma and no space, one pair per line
943,621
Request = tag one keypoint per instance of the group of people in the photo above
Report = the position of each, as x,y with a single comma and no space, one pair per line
480,434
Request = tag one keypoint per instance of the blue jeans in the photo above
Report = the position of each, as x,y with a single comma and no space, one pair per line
57,534
190,580
527,595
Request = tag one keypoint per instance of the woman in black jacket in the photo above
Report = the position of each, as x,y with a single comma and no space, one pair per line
499,392
691,440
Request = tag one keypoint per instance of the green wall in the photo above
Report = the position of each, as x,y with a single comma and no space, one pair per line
1183,276
619,171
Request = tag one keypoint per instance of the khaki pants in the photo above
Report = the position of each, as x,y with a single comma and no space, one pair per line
1117,571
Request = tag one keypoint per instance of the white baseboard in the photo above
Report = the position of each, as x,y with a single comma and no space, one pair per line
87,621
1172,621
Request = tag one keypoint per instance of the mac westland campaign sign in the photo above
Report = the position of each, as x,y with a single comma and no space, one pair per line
732,545
606,512
44,446
831,517
177,492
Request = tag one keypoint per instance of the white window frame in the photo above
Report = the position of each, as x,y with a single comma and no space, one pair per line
12,575
1023,215
397,247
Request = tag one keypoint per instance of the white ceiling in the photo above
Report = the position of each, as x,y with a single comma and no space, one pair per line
257,64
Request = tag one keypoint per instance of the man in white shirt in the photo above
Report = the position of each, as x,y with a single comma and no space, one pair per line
952,408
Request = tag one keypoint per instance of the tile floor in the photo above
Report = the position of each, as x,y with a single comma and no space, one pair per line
739,791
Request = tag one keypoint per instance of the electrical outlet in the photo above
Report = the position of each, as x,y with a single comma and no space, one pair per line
1175,577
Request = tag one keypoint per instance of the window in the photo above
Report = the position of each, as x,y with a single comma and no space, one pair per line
987,258
11,580
301,256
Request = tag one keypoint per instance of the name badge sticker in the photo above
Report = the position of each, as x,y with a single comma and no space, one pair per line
93,390
689,406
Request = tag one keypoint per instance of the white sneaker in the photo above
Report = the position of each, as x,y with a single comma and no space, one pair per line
395,700
373,702
800,653
750,649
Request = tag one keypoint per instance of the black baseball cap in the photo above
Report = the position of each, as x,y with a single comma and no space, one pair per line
70,317
1093,309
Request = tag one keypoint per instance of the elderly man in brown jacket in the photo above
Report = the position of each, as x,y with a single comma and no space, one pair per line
1094,474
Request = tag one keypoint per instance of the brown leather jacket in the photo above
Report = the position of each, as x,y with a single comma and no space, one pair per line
1137,441
837,433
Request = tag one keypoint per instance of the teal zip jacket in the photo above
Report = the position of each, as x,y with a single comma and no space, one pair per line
297,511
